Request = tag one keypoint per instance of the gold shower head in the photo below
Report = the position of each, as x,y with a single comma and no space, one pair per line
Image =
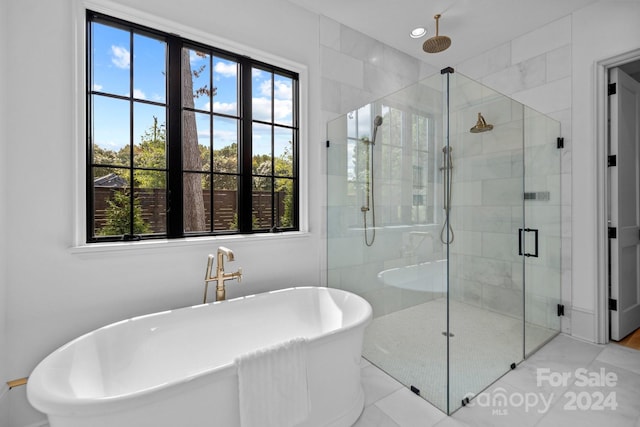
481,125
437,43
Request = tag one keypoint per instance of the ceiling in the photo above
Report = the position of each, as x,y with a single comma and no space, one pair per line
474,26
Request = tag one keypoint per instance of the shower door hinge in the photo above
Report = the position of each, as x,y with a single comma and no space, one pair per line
560,309
447,70
328,143
560,142
612,232
612,89
613,304
612,161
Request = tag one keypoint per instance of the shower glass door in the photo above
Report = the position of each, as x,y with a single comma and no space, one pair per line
485,296
542,238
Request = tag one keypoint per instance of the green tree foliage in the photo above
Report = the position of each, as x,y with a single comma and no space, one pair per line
151,153
118,214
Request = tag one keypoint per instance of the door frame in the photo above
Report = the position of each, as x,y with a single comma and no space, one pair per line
601,73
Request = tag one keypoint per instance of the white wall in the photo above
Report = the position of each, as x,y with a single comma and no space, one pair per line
599,32
54,293
4,35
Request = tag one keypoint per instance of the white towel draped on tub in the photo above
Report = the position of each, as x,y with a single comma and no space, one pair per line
273,385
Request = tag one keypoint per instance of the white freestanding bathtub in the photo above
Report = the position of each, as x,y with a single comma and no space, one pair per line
428,276
176,368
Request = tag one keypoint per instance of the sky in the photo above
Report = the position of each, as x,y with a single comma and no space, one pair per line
112,64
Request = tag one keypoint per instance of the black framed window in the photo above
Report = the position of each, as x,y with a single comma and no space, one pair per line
184,139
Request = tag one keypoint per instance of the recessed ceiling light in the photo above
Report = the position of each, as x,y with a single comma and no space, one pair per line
416,33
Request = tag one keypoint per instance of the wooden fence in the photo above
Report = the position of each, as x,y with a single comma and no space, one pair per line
225,205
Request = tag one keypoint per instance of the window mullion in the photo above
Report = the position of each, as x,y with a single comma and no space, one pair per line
212,146
274,221
175,218
245,198
132,205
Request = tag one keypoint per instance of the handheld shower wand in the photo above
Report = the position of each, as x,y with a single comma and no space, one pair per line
369,190
446,168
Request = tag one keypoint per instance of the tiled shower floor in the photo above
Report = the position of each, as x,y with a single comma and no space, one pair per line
411,346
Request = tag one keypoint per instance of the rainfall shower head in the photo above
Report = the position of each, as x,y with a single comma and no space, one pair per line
377,121
481,125
437,43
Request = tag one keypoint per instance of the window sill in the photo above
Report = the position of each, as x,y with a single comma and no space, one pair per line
90,248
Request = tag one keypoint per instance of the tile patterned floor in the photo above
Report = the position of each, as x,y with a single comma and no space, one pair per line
568,382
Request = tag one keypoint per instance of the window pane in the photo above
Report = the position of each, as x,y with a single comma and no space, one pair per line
364,124
283,203
283,151
110,130
262,203
149,68
225,202
196,80
283,100
106,183
197,202
225,144
420,132
111,58
352,124
151,200
352,160
391,163
261,149
395,136
196,141
149,136
261,93
225,77
111,211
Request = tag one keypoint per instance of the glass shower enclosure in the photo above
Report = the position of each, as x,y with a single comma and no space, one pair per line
443,211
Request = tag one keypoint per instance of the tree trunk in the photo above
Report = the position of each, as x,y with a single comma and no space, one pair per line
194,214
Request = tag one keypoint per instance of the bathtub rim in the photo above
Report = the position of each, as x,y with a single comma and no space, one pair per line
64,405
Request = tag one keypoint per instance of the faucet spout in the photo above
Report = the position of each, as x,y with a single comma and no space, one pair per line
224,251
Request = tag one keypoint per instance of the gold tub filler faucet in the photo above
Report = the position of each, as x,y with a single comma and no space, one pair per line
220,275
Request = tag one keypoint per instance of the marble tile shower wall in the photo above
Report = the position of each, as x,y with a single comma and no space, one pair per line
357,69
535,69
487,206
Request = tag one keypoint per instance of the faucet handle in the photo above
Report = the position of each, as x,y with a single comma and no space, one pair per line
239,278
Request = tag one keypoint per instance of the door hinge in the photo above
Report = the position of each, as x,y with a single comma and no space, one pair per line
612,232
612,161
328,143
612,89
560,142
560,309
613,304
